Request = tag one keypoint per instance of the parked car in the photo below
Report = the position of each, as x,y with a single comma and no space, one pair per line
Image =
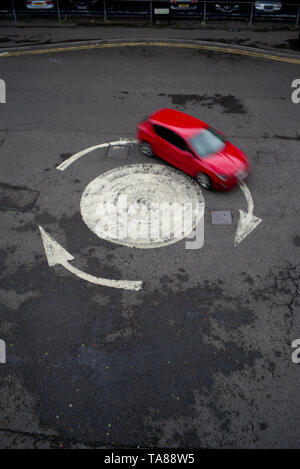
268,6
227,7
83,4
42,4
194,147
183,5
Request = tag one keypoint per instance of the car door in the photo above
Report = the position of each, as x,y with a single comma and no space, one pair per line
173,148
162,145
184,158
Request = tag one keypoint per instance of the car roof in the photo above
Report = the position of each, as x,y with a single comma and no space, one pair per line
178,121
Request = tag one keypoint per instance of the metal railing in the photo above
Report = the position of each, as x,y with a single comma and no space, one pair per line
109,9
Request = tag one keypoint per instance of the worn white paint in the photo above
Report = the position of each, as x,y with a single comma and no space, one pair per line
56,254
142,205
65,164
247,222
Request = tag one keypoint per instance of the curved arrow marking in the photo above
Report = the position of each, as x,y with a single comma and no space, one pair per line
64,165
56,254
247,222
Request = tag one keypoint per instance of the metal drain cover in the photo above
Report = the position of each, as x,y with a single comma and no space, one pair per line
118,151
221,217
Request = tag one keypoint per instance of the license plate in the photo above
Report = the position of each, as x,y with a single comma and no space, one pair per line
184,5
38,3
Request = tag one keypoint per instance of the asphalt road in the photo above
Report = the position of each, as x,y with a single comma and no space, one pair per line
201,356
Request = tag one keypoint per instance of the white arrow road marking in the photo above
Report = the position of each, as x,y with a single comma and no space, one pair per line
56,254
247,222
78,155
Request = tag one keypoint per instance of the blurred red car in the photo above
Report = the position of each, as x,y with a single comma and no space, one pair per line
194,147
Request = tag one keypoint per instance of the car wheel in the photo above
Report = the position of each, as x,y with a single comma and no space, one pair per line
146,149
204,181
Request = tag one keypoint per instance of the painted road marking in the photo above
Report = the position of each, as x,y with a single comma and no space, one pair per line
65,164
143,206
247,222
227,50
57,255
142,184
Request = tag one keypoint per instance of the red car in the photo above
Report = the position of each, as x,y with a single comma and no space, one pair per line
194,147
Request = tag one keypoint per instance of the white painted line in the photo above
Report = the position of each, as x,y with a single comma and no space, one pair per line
56,254
247,222
65,164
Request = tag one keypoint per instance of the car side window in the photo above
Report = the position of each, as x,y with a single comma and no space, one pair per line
170,137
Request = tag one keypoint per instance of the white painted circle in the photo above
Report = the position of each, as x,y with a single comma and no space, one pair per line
107,202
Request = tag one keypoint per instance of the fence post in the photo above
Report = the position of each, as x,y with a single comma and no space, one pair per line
151,12
204,13
58,11
251,13
13,10
104,10
298,15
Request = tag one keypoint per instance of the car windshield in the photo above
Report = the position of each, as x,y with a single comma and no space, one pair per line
207,142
